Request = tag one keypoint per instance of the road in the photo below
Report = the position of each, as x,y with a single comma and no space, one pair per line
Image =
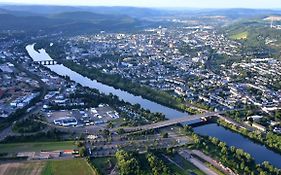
109,148
187,155
216,164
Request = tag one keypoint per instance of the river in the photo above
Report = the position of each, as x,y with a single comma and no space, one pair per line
258,152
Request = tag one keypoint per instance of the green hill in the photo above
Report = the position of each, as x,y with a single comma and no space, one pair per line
68,23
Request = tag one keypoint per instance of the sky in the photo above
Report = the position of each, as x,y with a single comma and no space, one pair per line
276,4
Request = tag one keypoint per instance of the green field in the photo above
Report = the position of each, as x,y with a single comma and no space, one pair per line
240,36
68,167
35,146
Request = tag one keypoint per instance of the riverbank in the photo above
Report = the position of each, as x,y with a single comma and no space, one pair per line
270,140
118,82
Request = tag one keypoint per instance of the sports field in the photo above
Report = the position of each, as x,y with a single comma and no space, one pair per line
50,167
35,146
67,167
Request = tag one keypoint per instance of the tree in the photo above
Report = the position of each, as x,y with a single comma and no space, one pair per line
110,125
165,135
106,132
127,164
120,131
195,138
82,151
251,120
157,166
79,143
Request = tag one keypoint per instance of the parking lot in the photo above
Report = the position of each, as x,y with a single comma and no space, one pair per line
82,117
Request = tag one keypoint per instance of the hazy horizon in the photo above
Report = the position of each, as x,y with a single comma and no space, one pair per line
254,4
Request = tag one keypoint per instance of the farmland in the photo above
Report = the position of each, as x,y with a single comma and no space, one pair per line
26,168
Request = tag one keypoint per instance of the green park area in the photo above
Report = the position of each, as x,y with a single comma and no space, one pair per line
240,36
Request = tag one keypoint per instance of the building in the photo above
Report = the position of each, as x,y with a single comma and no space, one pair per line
67,121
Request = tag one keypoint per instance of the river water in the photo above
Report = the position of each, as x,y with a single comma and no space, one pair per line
258,152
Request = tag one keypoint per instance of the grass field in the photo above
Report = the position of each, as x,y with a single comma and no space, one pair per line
35,146
26,168
240,36
67,167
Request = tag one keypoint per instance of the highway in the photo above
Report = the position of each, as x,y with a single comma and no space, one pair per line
199,164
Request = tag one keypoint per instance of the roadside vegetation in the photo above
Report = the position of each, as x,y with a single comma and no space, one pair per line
152,162
48,136
30,125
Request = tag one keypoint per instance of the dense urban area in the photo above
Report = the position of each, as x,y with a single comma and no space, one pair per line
137,91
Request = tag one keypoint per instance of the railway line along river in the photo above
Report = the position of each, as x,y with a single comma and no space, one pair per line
258,152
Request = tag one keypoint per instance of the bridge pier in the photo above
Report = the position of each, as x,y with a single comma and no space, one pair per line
47,62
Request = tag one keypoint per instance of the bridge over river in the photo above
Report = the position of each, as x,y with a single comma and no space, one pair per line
170,122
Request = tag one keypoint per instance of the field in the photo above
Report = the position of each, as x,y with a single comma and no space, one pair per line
52,167
26,168
35,146
68,167
240,36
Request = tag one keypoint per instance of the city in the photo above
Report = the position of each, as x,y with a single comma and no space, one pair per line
137,90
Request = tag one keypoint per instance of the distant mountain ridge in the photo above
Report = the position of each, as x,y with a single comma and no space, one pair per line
134,12
79,20
91,17
68,23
